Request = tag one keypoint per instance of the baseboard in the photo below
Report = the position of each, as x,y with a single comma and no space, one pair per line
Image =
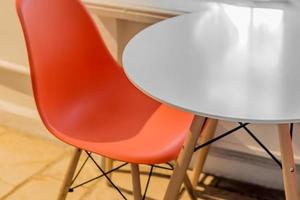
245,167
243,157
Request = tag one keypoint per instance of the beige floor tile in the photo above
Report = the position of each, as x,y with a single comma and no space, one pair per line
47,183
25,155
78,194
42,188
102,191
5,188
2,130
122,179
59,169
33,169
157,186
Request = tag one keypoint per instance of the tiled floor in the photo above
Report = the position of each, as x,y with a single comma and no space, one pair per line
32,169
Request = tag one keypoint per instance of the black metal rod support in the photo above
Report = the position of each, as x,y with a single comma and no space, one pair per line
291,130
102,171
170,166
219,137
100,176
148,182
161,167
80,169
262,145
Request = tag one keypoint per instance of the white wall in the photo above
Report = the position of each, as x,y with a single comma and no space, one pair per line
12,48
16,102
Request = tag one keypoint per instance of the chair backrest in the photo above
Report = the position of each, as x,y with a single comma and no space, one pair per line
66,53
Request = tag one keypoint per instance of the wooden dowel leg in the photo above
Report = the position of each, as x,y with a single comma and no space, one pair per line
108,166
103,163
136,183
207,133
69,175
189,187
288,165
184,159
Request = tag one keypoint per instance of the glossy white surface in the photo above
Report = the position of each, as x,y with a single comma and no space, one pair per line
186,5
229,62
171,5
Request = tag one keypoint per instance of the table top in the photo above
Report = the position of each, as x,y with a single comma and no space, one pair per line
171,5
183,6
227,62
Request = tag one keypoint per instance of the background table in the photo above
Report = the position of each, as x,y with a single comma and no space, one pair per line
228,62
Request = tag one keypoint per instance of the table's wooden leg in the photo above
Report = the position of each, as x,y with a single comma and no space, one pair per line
207,134
288,165
184,159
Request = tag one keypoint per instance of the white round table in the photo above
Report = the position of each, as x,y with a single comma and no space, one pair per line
227,62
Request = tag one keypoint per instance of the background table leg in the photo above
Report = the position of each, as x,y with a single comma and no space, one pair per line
288,165
184,159
207,133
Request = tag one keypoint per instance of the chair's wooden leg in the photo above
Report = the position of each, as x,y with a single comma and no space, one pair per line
136,183
189,187
103,163
108,166
207,133
288,165
184,159
69,175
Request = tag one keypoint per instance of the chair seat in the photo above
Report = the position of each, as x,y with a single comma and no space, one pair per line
125,125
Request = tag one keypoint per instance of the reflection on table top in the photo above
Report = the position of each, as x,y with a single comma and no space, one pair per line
185,6
227,62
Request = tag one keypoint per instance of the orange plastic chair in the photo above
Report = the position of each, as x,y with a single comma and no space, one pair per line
84,97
